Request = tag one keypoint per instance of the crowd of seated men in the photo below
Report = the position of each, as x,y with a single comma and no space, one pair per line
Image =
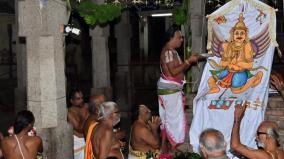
95,123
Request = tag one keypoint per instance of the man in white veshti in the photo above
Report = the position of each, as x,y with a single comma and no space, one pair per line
170,85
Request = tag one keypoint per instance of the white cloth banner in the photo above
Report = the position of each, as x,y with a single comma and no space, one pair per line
241,38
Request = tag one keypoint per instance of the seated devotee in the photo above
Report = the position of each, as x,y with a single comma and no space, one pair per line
267,138
96,100
77,115
144,135
104,142
94,103
21,145
212,144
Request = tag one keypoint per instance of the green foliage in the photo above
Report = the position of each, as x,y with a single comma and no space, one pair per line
39,156
180,15
98,13
150,155
187,155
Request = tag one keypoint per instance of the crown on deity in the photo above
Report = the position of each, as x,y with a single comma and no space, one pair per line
241,24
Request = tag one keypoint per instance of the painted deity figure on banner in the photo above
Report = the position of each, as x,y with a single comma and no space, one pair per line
237,58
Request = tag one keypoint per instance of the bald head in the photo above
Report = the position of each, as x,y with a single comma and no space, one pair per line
143,107
95,102
144,112
271,128
212,141
268,124
97,99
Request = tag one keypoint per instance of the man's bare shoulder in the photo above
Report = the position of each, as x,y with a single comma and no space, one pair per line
8,141
260,153
104,132
139,127
72,111
9,138
281,154
36,139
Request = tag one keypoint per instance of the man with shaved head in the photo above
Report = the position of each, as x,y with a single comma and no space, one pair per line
267,138
97,100
212,144
94,104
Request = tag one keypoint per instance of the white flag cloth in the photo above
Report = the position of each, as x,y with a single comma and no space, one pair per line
238,71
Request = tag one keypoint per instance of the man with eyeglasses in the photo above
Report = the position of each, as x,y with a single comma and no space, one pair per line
267,138
77,115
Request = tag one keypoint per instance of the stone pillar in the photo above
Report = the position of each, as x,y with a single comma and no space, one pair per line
143,37
20,92
198,27
39,22
100,61
122,76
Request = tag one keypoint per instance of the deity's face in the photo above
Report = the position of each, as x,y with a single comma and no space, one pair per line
239,35
177,39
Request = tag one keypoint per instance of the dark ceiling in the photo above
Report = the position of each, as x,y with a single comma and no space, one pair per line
7,6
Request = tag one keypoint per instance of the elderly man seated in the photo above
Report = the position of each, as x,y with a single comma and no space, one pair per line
104,144
267,138
212,144
144,135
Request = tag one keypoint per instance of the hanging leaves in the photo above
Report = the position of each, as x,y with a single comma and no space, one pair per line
180,15
101,14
